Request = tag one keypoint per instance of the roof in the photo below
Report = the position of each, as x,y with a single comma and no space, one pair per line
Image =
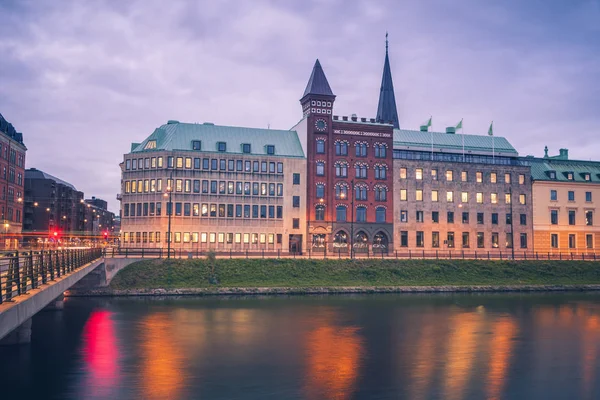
33,173
541,168
386,109
179,136
9,130
476,144
317,83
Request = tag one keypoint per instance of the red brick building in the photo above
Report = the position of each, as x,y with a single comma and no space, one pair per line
349,173
12,172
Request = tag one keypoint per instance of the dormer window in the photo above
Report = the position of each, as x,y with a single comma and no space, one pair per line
246,148
196,145
569,175
151,144
221,146
587,176
552,174
270,149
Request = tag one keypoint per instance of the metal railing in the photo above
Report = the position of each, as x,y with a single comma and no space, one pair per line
21,272
363,253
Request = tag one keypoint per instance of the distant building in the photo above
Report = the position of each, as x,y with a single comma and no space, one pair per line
51,205
12,171
98,221
565,197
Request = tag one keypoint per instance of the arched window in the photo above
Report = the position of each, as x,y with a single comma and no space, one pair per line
340,214
360,193
380,241
361,214
320,168
380,151
340,240
320,213
380,194
380,215
341,170
361,149
360,241
380,172
341,192
361,171
320,190
341,148
320,146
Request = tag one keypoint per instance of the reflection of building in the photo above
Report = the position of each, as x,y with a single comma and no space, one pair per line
564,194
12,164
230,187
52,205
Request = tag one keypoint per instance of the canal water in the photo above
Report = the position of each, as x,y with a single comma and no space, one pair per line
453,346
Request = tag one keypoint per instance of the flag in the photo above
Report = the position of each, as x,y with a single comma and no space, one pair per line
428,122
491,130
459,125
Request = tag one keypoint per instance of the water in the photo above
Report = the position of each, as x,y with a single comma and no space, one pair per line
340,347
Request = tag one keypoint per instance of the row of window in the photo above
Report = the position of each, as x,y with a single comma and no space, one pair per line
11,215
12,176
572,241
360,170
589,217
360,148
12,157
492,177
205,210
570,196
207,164
204,237
206,186
464,197
465,217
360,215
360,192
449,241
8,194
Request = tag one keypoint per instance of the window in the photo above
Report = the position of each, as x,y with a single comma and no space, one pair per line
380,194
521,179
508,219
480,218
150,144
402,173
589,218
380,172
320,190
479,197
450,197
280,168
403,195
403,216
554,240
554,217
296,179
479,177
494,198
434,174
361,149
493,177
507,178
319,213
480,240
570,176
571,217
495,240
320,168
214,163
419,195
589,241
449,175
571,195
341,169
341,191
340,214
434,195
360,192
420,216
295,223
450,239
435,217
523,240
295,201
420,239
403,238
572,243
196,145
361,170
361,214
419,174
435,239
464,176
588,197
380,151
553,195
507,198
270,149
523,219
341,148
221,146
464,197
509,241
465,217
450,217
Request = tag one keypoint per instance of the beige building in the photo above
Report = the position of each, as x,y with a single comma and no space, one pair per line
565,195
226,188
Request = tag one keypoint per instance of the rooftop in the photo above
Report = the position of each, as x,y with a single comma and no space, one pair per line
9,130
561,169
449,142
181,136
33,173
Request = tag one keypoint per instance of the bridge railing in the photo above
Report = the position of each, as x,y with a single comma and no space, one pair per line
22,271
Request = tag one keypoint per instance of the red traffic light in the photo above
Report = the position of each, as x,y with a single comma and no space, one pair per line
55,233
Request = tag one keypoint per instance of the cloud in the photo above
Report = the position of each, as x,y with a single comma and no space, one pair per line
82,80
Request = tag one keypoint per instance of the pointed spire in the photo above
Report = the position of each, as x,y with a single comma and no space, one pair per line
317,84
386,110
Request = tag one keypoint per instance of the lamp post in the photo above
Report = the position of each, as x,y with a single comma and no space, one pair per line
169,194
512,236
352,220
6,226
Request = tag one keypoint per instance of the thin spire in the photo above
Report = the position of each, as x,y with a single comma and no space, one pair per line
386,109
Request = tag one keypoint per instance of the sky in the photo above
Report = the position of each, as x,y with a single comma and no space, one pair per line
84,79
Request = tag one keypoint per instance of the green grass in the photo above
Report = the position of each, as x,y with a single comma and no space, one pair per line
152,274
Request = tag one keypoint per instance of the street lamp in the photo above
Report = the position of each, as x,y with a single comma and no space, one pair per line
6,226
352,221
512,236
169,194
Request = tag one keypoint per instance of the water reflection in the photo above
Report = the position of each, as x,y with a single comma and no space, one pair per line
333,355
501,346
101,356
425,361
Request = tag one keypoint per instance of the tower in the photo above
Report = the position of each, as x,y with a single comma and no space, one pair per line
386,110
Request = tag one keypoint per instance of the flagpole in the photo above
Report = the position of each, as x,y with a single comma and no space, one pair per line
462,133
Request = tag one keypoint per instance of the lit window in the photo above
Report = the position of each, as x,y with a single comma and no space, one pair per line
507,178
522,199
521,179
419,174
494,198
479,197
402,173
479,177
450,197
434,195
493,177
151,144
507,198
464,176
449,176
464,197
403,194
419,195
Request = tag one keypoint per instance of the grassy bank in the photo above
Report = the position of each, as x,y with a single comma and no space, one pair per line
315,273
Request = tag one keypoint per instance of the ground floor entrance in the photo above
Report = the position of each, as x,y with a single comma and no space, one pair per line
295,244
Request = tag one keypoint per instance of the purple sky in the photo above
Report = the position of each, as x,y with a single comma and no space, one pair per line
84,79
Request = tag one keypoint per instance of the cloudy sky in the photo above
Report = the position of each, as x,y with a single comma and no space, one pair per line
84,79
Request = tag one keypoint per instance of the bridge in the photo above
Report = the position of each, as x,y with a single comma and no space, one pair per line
36,280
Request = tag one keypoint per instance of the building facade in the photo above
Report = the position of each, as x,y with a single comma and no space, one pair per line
565,194
214,187
12,168
98,222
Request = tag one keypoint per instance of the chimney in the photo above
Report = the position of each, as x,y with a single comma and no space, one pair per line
336,117
354,117
372,120
564,154
345,118
451,130
363,120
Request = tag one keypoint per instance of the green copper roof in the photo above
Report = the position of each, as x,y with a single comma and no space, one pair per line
179,136
541,169
476,144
